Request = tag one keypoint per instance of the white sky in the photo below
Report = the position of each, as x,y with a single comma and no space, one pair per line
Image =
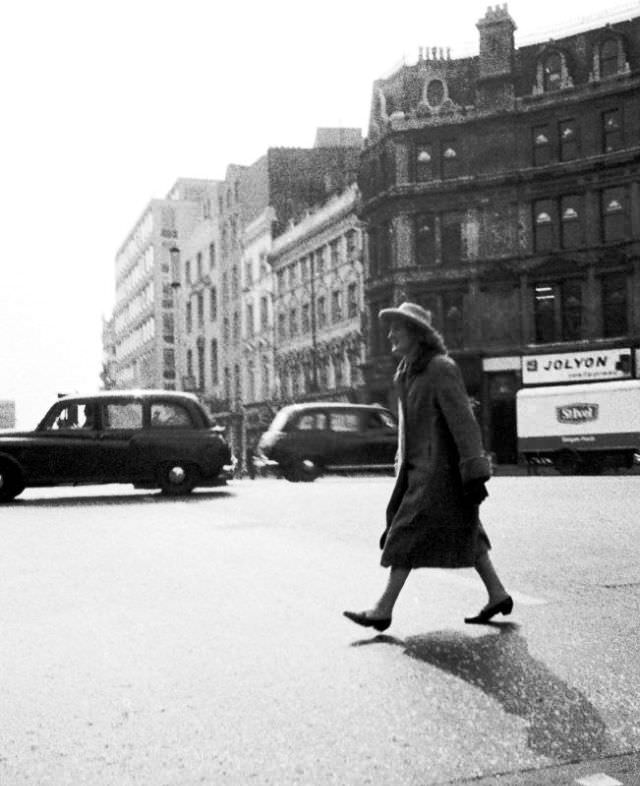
105,104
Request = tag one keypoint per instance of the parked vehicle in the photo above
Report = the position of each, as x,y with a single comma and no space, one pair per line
580,428
150,438
307,440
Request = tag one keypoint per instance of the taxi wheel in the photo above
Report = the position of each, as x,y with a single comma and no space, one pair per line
11,483
177,478
303,471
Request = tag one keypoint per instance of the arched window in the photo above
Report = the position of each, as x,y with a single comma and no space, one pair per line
552,72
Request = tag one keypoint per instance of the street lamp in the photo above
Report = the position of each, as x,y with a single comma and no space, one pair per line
176,284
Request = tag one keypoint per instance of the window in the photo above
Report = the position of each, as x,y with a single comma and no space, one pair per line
306,319
225,329
385,248
344,421
558,311
611,130
609,58
322,311
552,72
190,363
264,313
543,229
613,214
213,362
250,322
282,326
122,415
425,243
248,273
336,305
169,415
452,307
236,325
424,163
187,271
293,322
614,305
235,281
212,255
568,132
320,262
292,275
541,145
189,317
571,222
312,421
334,254
213,304
227,383
435,92
199,265
352,300
200,351
450,162
200,308
225,287
351,244
451,238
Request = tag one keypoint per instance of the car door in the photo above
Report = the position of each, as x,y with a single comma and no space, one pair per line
379,438
121,421
346,440
65,450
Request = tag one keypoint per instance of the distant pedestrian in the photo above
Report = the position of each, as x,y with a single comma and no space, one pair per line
432,515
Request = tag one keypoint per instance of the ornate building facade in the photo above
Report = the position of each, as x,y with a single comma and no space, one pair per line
318,274
502,192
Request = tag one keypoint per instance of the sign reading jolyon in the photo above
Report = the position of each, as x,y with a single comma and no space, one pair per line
576,366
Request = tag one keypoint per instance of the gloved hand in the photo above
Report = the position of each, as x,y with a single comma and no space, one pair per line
475,492
383,539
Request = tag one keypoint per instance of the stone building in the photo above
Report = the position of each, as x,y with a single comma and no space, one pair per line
318,272
144,327
501,191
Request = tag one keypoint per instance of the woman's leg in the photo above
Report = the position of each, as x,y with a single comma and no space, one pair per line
395,582
490,579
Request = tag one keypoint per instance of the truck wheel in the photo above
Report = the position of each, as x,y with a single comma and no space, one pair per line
568,463
11,483
177,478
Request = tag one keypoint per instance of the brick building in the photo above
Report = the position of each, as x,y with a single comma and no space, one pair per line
502,192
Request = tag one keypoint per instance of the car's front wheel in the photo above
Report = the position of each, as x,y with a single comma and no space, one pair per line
177,478
11,483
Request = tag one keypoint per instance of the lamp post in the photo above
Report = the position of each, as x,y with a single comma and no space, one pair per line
176,285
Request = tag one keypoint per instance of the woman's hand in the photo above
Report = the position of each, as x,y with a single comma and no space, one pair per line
475,492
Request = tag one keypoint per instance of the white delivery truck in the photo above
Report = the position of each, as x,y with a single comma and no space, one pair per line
582,427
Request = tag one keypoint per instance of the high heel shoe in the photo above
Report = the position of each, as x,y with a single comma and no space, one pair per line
504,607
362,618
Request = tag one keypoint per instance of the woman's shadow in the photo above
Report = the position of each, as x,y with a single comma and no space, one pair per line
563,724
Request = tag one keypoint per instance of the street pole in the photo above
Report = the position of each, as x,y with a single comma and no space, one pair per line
176,285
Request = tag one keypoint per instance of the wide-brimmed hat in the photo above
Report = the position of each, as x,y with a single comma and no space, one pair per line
410,311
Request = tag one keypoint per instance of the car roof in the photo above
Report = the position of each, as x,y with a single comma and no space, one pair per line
307,405
144,393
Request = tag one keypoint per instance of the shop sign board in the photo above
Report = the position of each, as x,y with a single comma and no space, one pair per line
589,366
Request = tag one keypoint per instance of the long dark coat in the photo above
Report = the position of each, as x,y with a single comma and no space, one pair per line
429,524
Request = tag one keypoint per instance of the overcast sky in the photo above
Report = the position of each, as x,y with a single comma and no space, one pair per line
106,104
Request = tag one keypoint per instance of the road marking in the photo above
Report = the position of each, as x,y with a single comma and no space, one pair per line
598,779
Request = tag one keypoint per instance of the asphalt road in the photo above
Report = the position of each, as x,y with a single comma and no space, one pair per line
201,641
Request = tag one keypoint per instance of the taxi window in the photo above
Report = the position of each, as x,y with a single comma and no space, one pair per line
312,421
65,417
125,415
345,421
380,420
169,415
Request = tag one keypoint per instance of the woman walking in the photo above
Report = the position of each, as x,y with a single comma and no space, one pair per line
432,515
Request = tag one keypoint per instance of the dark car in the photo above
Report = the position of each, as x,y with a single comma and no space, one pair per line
306,440
150,438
